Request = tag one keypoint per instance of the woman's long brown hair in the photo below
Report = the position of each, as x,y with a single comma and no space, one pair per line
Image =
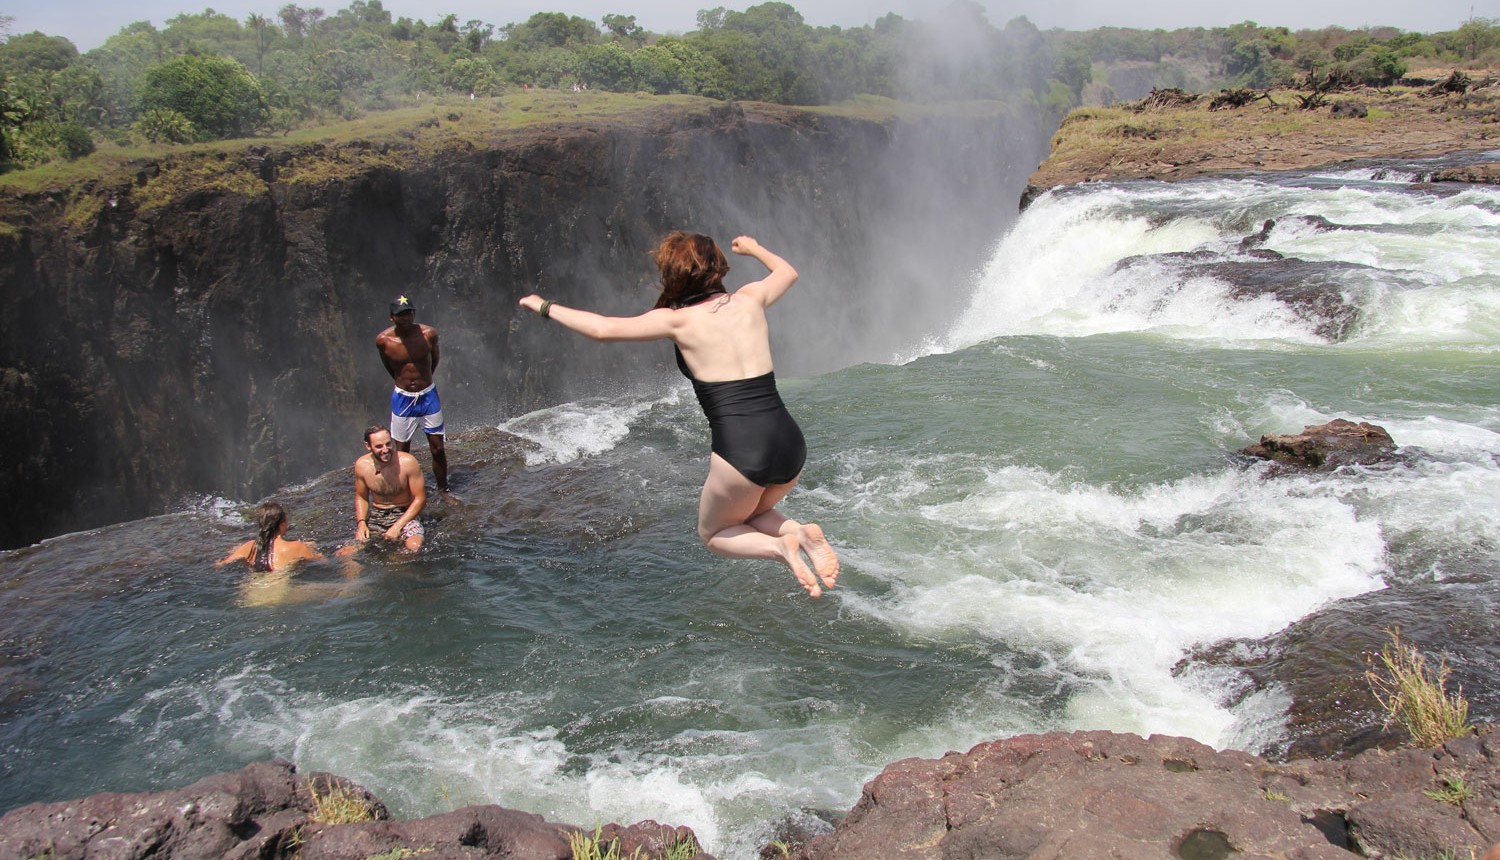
270,516
690,263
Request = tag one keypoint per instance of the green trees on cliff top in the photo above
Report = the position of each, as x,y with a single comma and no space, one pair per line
207,75
217,95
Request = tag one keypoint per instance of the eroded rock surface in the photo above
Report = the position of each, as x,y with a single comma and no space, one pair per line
1327,446
266,811
1101,794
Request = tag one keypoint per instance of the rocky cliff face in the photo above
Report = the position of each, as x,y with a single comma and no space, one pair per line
207,325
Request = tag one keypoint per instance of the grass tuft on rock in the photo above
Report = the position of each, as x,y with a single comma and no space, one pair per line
1415,695
1454,791
592,847
338,804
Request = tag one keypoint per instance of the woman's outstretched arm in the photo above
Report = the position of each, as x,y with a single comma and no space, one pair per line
772,286
243,552
651,325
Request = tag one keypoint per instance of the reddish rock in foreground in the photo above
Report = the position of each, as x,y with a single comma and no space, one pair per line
264,811
1056,796
1105,795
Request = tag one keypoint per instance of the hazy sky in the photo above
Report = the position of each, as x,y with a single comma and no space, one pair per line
89,22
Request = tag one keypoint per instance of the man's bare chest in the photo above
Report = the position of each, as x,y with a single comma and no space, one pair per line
409,350
386,483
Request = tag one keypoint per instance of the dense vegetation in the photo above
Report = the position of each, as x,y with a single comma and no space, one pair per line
208,76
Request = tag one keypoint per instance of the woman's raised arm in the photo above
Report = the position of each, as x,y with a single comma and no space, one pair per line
773,286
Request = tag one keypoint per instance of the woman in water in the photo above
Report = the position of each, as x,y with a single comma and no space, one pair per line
724,347
271,550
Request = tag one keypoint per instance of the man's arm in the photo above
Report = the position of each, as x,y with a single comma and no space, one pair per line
361,506
432,343
416,484
390,367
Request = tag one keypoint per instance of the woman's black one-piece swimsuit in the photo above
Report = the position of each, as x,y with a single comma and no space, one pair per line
750,425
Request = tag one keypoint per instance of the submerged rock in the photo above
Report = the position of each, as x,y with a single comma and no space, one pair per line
1327,446
1317,665
1483,173
1319,292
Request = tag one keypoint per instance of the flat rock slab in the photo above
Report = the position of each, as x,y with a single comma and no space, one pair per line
1105,795
266,812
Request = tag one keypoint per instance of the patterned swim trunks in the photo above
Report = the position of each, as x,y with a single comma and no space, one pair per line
381,519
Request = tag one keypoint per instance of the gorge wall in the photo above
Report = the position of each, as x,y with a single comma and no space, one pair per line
205,325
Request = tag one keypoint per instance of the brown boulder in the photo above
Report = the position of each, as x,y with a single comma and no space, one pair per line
207,819
1483,173
263,812
1327,446
1102,794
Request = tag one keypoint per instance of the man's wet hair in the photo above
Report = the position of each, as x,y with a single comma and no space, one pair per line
371,431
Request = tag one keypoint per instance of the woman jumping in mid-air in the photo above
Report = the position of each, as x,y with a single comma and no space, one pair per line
724,347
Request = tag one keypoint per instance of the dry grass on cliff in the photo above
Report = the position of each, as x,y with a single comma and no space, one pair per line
453,121
1121,142
154,176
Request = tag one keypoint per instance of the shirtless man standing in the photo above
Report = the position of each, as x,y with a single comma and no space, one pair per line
410,354
389,492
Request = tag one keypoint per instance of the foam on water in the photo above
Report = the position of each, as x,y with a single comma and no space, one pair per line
1114,586
1425,263
1372,174
1041,272
424,752
582,428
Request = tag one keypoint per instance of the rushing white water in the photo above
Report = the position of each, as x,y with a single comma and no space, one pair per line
1432,260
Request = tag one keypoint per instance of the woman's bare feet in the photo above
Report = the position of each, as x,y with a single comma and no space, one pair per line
825,560
791,553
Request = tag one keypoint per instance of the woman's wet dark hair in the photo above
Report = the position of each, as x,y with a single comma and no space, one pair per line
270,517
690,264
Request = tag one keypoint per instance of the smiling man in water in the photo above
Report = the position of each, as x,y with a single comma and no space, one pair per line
409,351
389,493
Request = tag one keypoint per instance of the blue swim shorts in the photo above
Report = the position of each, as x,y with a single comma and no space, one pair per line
410,408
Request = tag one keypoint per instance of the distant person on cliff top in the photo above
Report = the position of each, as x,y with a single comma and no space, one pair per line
271,550
409,351
389,494
723,346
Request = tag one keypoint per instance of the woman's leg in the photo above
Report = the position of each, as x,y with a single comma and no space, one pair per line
809,535
737,518
727,502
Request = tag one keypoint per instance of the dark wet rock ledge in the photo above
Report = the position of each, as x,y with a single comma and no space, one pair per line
1059,795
